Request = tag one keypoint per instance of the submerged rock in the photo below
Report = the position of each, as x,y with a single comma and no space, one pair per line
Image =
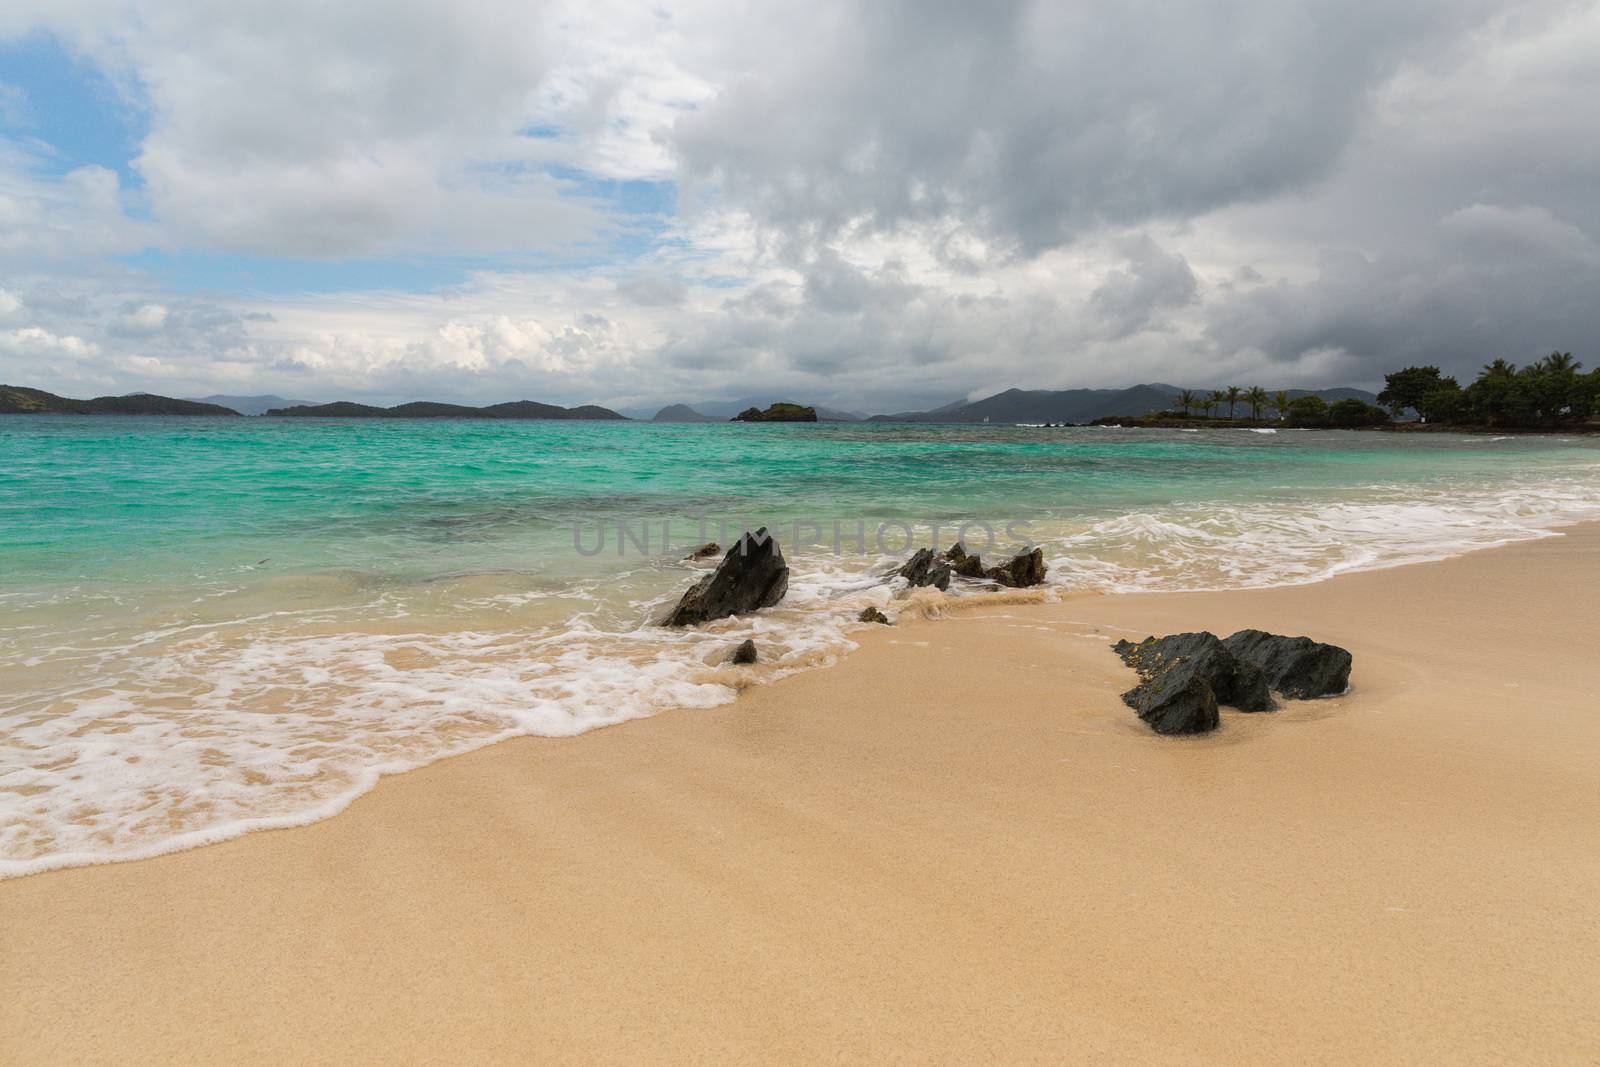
744,652
924,568
871,614
968,566
1297,667
705,551
753,575
1020,571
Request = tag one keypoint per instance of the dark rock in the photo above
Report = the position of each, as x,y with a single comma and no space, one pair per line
705,551
1297,667
744,653
1178,701
1231,680
751,576
870,614
1020,571
968,566
923,568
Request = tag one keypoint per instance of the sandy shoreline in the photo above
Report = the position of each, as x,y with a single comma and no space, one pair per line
955,845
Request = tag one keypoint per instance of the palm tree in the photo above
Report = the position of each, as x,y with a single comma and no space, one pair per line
1257,399
1561,362
1499,369
1234,393
1187,400
1280,404
1215,400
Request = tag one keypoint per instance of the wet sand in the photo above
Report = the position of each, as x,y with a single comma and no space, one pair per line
956,845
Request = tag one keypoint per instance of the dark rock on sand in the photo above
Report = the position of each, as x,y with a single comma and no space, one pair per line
924,568
744,653
1232,680
968,566
1186,675
751,576
870,614
1178,701
705,551
1020,571
1297,667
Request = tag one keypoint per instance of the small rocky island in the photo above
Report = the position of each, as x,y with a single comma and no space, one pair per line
777,413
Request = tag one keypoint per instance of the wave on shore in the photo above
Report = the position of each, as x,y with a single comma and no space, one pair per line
175,736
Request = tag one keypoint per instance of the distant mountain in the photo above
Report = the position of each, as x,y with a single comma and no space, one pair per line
835,415
1043,405
682,413
1340,393
427,409
1077,405
251,405
19,400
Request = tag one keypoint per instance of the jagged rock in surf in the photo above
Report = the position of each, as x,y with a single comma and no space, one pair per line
753,575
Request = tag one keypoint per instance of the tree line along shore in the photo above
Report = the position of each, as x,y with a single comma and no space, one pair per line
1549,395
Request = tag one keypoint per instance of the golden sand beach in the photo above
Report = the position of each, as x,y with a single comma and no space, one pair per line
955,846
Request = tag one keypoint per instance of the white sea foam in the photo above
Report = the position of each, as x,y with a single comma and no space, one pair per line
1193,547
190,732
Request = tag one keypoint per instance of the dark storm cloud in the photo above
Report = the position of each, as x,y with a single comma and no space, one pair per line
1034,123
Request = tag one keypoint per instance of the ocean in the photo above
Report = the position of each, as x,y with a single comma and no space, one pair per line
212,626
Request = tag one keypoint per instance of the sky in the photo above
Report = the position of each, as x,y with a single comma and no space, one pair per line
873,206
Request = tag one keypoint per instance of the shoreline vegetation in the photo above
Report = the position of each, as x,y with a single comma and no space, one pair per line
1551,395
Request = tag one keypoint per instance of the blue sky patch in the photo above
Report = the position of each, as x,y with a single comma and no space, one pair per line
67,104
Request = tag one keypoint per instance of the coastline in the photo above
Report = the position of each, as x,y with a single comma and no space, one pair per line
956,842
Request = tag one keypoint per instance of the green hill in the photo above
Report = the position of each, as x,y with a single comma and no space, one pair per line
428,409
20,400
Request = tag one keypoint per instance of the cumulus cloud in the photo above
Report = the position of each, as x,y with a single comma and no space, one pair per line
80,213
883,205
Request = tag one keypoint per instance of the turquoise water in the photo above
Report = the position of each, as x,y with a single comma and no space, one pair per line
207,626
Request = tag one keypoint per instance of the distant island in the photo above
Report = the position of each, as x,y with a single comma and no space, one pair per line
1549,394
20,400
251,405
777,413
427,409
728,410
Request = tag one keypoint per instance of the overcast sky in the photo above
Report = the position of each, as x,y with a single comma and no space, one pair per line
869,205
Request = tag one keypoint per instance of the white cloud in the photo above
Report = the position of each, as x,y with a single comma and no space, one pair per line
881,204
